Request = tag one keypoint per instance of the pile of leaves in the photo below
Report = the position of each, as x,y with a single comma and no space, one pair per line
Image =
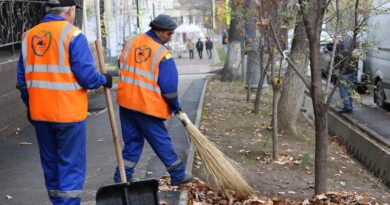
201,194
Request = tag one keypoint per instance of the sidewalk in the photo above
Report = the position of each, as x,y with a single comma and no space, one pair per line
21,175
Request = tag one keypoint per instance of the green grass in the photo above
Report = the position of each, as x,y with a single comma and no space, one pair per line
221,54
305,160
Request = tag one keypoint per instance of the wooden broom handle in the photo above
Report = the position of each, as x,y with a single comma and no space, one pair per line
111,114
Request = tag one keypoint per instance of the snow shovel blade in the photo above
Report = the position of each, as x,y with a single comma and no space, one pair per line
144,192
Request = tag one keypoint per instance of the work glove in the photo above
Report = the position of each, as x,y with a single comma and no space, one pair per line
183,118
108,80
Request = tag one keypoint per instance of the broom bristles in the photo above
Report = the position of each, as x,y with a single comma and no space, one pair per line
223,170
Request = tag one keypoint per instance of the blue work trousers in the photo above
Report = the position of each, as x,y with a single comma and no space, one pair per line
62,148
136,127
346,88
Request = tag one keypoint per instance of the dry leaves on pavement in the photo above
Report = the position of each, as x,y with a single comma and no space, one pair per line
201,194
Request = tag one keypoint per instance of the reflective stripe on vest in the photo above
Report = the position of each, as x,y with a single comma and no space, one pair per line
47,69
52,85
65,194
140,83
61,49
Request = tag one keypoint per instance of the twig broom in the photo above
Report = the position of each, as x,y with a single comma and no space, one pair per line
222,169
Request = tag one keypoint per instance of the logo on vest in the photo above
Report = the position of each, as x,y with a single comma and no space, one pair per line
41,43
142,54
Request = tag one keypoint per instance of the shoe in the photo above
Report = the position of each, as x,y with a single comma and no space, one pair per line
186,179
345,111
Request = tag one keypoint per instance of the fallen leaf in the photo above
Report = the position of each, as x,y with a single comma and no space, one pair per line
321,197
291,192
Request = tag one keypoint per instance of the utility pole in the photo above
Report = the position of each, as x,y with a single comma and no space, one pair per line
130,8
125,7
98,24
154,10
85,18
138,15
213,30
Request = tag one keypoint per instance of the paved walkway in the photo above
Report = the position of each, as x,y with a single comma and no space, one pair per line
21,176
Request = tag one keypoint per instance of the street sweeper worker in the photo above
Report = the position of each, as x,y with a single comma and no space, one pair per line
55,70
147,96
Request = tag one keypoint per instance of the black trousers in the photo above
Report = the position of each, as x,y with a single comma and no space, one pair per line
191,54
200,53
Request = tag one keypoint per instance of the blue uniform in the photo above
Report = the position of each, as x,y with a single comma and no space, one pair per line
136,127
62,146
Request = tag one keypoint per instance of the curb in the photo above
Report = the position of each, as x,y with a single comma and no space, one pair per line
367,146
183,200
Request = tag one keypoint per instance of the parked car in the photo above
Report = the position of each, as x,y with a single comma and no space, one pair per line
377,65
377,61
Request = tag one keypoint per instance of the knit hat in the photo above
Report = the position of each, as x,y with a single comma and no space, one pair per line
62,3
163,22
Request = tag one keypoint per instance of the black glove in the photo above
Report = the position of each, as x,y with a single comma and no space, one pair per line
178,111
108,79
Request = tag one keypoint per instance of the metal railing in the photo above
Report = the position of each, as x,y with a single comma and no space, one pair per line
17,16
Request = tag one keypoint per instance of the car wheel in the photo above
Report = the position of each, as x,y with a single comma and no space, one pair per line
379,94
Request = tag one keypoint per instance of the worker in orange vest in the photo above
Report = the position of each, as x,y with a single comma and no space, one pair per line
147,96
55,70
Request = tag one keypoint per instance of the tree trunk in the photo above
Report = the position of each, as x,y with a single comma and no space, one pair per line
233,63
275,139
293,90
320,114
313,15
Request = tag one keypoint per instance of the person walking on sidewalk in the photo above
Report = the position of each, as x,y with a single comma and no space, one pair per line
199,48
147,96
190,48
209,47
55,70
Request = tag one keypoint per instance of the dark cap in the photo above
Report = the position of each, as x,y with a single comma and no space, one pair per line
62,3
163,22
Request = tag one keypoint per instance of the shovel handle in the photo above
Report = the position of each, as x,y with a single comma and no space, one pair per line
111,114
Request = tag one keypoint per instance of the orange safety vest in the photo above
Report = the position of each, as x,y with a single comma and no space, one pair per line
54,94
139,67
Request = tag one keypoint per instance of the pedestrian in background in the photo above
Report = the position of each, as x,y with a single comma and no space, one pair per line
55,70
190,47
209,47
147,96
199,48
225,42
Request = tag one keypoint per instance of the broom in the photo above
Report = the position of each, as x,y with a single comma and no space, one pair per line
223,170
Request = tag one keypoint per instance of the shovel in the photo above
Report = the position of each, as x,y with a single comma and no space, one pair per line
143,192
